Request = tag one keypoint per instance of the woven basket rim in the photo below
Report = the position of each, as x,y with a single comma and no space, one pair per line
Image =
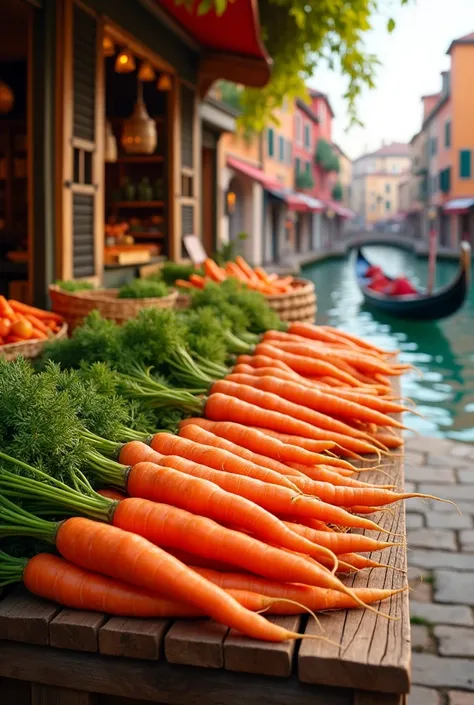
300,287
29,345
108,295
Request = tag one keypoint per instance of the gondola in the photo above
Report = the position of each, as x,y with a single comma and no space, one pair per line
420,306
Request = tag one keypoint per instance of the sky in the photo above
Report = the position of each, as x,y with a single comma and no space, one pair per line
412,58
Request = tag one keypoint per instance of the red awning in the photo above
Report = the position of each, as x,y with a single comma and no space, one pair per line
292,200
339,210
233,41
458,206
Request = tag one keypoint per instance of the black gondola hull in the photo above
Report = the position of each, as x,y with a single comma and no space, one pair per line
421,307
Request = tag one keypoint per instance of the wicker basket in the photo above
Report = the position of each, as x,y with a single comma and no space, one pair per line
182,300
74,307
29,348
299,304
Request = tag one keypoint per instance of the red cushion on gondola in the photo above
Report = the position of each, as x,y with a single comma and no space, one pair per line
401,287
379,283
372,271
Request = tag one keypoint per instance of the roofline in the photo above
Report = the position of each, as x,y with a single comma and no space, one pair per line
222,106
430,95
443,100
314,93
459,42
341,151
377,153
307,110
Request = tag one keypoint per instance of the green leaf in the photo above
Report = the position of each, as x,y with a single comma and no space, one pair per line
204,7
221,6
391,25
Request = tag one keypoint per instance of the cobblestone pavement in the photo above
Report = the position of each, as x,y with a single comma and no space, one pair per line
441,571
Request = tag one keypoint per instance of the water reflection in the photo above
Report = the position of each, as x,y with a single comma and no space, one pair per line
443,352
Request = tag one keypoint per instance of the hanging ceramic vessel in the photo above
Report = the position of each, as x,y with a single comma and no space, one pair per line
110,144
139,130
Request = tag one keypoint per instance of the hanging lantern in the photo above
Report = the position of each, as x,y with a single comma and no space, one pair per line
125,62
164,82
110,144
7,98
108,47
146,72
139,130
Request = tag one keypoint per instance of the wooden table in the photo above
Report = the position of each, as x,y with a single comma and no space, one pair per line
54,656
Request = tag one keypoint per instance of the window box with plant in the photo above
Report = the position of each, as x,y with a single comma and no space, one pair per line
337,192
304,180
325,157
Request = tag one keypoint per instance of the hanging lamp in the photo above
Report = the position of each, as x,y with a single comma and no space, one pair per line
125,62
7,98
139,130
110,144
164,82
146,72
108,47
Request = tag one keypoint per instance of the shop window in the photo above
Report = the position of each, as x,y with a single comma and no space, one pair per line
465,164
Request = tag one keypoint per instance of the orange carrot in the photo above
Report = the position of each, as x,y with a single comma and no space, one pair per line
264,361
6,310
214,271
183,284
274,402
54,578
259,442
19,307
340,542
112,493
306,365
216,458
359,342
314,598
312,332
389,440
37,324
315,399
221,407
204,498
127,556
197,281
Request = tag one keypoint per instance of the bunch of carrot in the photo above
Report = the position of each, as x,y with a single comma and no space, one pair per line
254,278
248,507
20,322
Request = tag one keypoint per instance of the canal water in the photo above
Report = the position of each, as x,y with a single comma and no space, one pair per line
443,352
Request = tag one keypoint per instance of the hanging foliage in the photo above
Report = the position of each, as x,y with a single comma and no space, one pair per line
325,156
299,36
304,180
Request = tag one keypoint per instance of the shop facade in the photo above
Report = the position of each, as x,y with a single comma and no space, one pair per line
87,69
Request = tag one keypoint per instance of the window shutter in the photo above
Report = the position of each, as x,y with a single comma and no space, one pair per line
82,217
465,163
270,142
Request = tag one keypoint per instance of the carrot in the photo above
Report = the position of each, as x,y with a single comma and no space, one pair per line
54,578
192,560
247,270
216,458
342,466
37,324
306,365
166,525
14,339
183,284
38,335
221,407
202,497
314,598
340,542
197,280
274,498
126,556
19,307
214,271
264,361
320,473
273,402
389,440
112,493
359,342
6,310
259,442
316,400
274,372
312,332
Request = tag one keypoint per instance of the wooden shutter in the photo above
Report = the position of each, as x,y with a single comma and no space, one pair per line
81,209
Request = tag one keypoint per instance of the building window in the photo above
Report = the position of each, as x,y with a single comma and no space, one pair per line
289,153
465,164
387,188
271,142
281,155
307,136
434,146
445,180
387,205
298,129
298,165
447,134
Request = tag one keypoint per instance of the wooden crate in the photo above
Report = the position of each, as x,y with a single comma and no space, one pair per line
55,656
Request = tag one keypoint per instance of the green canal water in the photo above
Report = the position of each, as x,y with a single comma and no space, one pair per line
443,351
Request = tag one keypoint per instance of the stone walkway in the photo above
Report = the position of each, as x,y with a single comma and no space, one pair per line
441,571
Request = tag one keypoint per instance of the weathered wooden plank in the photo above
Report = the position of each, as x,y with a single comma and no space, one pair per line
26,618
196,643
158,682
374,652
50,695
14,692
134,638
76,629
252,656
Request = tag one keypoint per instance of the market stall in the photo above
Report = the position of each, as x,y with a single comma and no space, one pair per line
57,656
